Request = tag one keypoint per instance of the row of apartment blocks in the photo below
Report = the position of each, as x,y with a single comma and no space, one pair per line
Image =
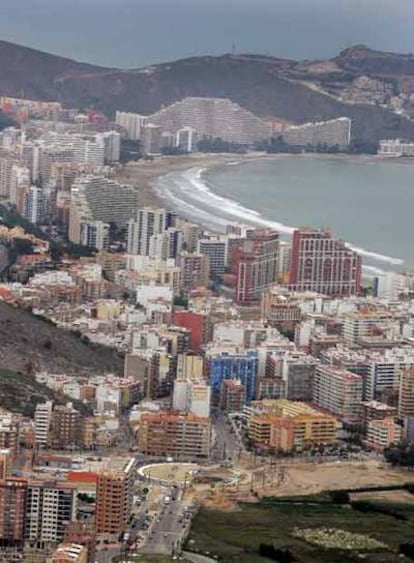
186,121
255,259
39,514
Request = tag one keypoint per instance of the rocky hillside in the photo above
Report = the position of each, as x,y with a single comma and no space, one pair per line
31,344
20,393
360,83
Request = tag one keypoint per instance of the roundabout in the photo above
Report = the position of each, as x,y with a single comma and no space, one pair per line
178,474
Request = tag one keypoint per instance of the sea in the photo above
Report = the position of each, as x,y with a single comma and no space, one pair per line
364,200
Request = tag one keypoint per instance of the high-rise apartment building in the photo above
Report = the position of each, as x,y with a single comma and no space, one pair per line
192,396
149,221
338,391
165,245
406,394
242,366
5,463
111,141
366,323
50,506
94,234
35,205
380,370
297,371
335,132
232,396
199,325
190,365
186,139
132,123
66,427
380,434
97,198
163,433
13,492
195,268
216,248
212,117
43,420
254,261
323,264
9,432
114,496
7,161
152,140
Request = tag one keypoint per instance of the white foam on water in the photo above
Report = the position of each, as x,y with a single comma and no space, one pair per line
188,192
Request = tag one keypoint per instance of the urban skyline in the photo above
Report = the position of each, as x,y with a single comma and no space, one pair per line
167,370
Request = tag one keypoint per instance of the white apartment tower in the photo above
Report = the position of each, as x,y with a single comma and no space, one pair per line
149,221
42,420
132,123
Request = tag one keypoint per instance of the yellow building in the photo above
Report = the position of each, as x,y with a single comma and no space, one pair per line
289,425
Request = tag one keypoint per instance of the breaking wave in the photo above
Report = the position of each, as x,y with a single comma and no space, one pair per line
189,194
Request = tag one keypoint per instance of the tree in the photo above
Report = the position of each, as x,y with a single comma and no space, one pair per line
400,454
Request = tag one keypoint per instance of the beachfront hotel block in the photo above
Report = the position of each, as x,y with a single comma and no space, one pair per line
95,202
289,425
395,148
335,132
213,118
323,264
338,392
254,262
132,123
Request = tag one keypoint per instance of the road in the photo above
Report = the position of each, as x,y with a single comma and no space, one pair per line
227,446
196,558
168,529
107,555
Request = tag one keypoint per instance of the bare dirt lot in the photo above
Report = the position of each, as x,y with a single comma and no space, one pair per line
310,478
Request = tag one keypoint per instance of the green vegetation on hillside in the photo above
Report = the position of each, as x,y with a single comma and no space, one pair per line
20,393
250,531
30,343
267,86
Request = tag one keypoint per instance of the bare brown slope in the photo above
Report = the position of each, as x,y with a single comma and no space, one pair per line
28,343
265,85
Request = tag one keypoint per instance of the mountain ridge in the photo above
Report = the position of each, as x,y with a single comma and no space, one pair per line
297,91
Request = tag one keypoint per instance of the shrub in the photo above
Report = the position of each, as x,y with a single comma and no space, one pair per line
339,497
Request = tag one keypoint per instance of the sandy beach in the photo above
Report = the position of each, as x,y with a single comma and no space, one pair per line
144,173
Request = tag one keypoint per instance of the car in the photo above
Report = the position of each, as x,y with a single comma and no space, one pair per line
165,535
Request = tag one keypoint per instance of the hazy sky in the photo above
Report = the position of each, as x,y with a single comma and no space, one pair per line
132,33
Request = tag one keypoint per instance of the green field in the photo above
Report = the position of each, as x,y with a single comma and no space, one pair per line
236,536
